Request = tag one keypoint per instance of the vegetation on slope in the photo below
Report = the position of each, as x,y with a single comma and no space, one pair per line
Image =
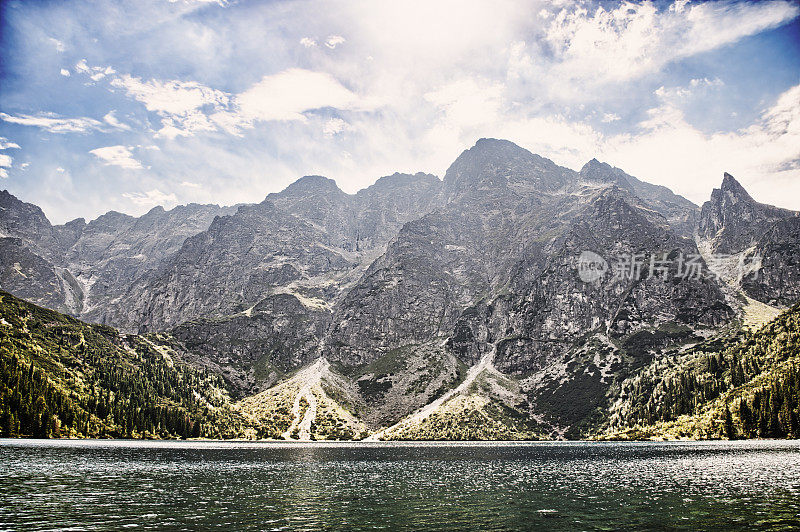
742,387
60,377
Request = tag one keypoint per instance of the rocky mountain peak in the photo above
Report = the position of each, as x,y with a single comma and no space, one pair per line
731,221
28,222
111,221
77,222
488,152
733,188
596,171
17,210
594,166
311,185
498,165
680,212
399,180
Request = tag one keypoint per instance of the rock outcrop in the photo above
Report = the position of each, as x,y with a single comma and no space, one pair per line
756,246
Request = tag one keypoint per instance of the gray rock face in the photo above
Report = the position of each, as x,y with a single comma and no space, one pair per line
549,308
29,276
732,221
311,240
777,282
79,268
494,164
115,250
366,220
681,213
237,262
391,202
492,196
252,351
28,223
497,262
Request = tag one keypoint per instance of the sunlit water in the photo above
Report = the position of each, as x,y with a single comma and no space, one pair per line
499,486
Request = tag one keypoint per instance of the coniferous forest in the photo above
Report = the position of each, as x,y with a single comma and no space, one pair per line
743,386
60,377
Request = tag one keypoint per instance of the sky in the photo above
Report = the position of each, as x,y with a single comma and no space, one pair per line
125,105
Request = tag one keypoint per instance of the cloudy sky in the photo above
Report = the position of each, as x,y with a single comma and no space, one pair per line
127,105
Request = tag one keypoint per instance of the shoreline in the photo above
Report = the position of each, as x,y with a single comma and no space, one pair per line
375,443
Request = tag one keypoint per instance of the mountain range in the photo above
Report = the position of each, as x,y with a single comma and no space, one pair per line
421,308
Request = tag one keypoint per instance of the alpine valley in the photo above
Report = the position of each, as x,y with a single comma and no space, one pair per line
417,308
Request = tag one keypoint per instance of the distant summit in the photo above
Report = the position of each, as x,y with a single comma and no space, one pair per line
731,221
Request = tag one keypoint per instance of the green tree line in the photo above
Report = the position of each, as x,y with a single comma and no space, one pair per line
750,384
60,377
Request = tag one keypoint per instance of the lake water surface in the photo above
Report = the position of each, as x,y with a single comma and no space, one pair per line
110,485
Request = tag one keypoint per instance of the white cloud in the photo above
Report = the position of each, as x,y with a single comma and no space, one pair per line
189,107
189,184
54,123
636,38
5,164
61,170
117,156
95,73
467,102
765,156
679,6
705,82
112,121
151,198
610,117
181,104
185,124
65,72
24,166
308,42
334,126
695,86
714,24
6,144
333,41
170,97
58,44
5,159
221,3
288,94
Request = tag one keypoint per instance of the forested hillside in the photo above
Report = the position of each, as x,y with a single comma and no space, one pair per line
60,377
746,386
